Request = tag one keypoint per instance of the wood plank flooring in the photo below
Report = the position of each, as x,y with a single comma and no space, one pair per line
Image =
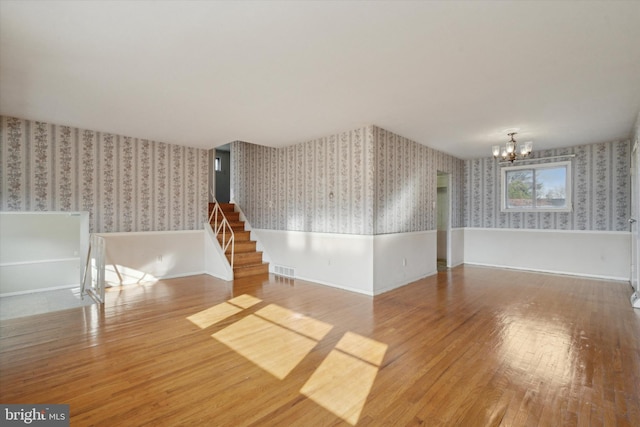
470,346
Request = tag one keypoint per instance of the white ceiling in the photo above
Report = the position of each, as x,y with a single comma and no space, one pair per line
450,75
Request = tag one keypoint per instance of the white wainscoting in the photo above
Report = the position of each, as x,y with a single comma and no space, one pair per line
599,254
42,250
402,258
343,261
145,256
36,276
456,247
360,263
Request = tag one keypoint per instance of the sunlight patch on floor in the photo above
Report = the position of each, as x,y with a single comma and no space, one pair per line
277,340
296,322
245,301
219,312
342,382
364,348
213,315
275,349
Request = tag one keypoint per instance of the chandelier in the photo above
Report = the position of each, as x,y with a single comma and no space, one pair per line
511,151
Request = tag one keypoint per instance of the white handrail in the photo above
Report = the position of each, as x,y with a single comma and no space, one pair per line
221,224
95,261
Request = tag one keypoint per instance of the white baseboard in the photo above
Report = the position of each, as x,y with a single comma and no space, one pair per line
399,285
563,273
333,285
35,291
595,254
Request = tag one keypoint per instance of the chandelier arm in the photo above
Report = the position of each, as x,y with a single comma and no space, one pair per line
510,151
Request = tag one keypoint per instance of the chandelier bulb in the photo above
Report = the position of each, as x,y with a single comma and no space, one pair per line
511,150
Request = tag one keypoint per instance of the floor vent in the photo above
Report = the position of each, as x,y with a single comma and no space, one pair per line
281,270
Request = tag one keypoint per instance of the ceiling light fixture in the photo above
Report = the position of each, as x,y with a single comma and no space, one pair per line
511,151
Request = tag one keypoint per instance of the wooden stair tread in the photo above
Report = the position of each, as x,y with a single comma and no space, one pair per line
246,260
244,246
232,216
250,270
239,235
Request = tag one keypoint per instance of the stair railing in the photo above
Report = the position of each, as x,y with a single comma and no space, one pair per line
93,277
220,225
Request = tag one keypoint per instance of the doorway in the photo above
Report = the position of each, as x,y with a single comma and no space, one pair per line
221,166
442,220
635,212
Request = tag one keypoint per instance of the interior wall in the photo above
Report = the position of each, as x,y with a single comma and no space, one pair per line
406,184
635,135
41,250
592,240
456,247
601,254
332,193
365,264
324,185
141,257
125,183
343,261
635,207
365,181
600,191
402,258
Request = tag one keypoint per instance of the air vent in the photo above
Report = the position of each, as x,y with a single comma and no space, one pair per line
284,271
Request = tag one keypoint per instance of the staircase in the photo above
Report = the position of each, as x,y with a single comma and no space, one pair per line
246,260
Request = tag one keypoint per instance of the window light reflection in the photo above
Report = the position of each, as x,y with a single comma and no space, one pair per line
116,275
277,340
342,382
219,312
273,348
299,323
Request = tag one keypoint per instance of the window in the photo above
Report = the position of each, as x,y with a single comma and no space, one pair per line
537,188
218,164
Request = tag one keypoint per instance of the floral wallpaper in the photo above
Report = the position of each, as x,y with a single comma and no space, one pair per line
126,184
364,181
406,184
600,191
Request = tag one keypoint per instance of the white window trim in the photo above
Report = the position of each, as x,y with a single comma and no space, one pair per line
503,187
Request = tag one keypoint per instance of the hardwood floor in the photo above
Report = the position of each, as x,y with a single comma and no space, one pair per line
470,346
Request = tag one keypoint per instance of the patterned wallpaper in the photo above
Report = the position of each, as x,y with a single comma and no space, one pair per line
365,181
406,184
126,184
600,191
635,134
324,185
